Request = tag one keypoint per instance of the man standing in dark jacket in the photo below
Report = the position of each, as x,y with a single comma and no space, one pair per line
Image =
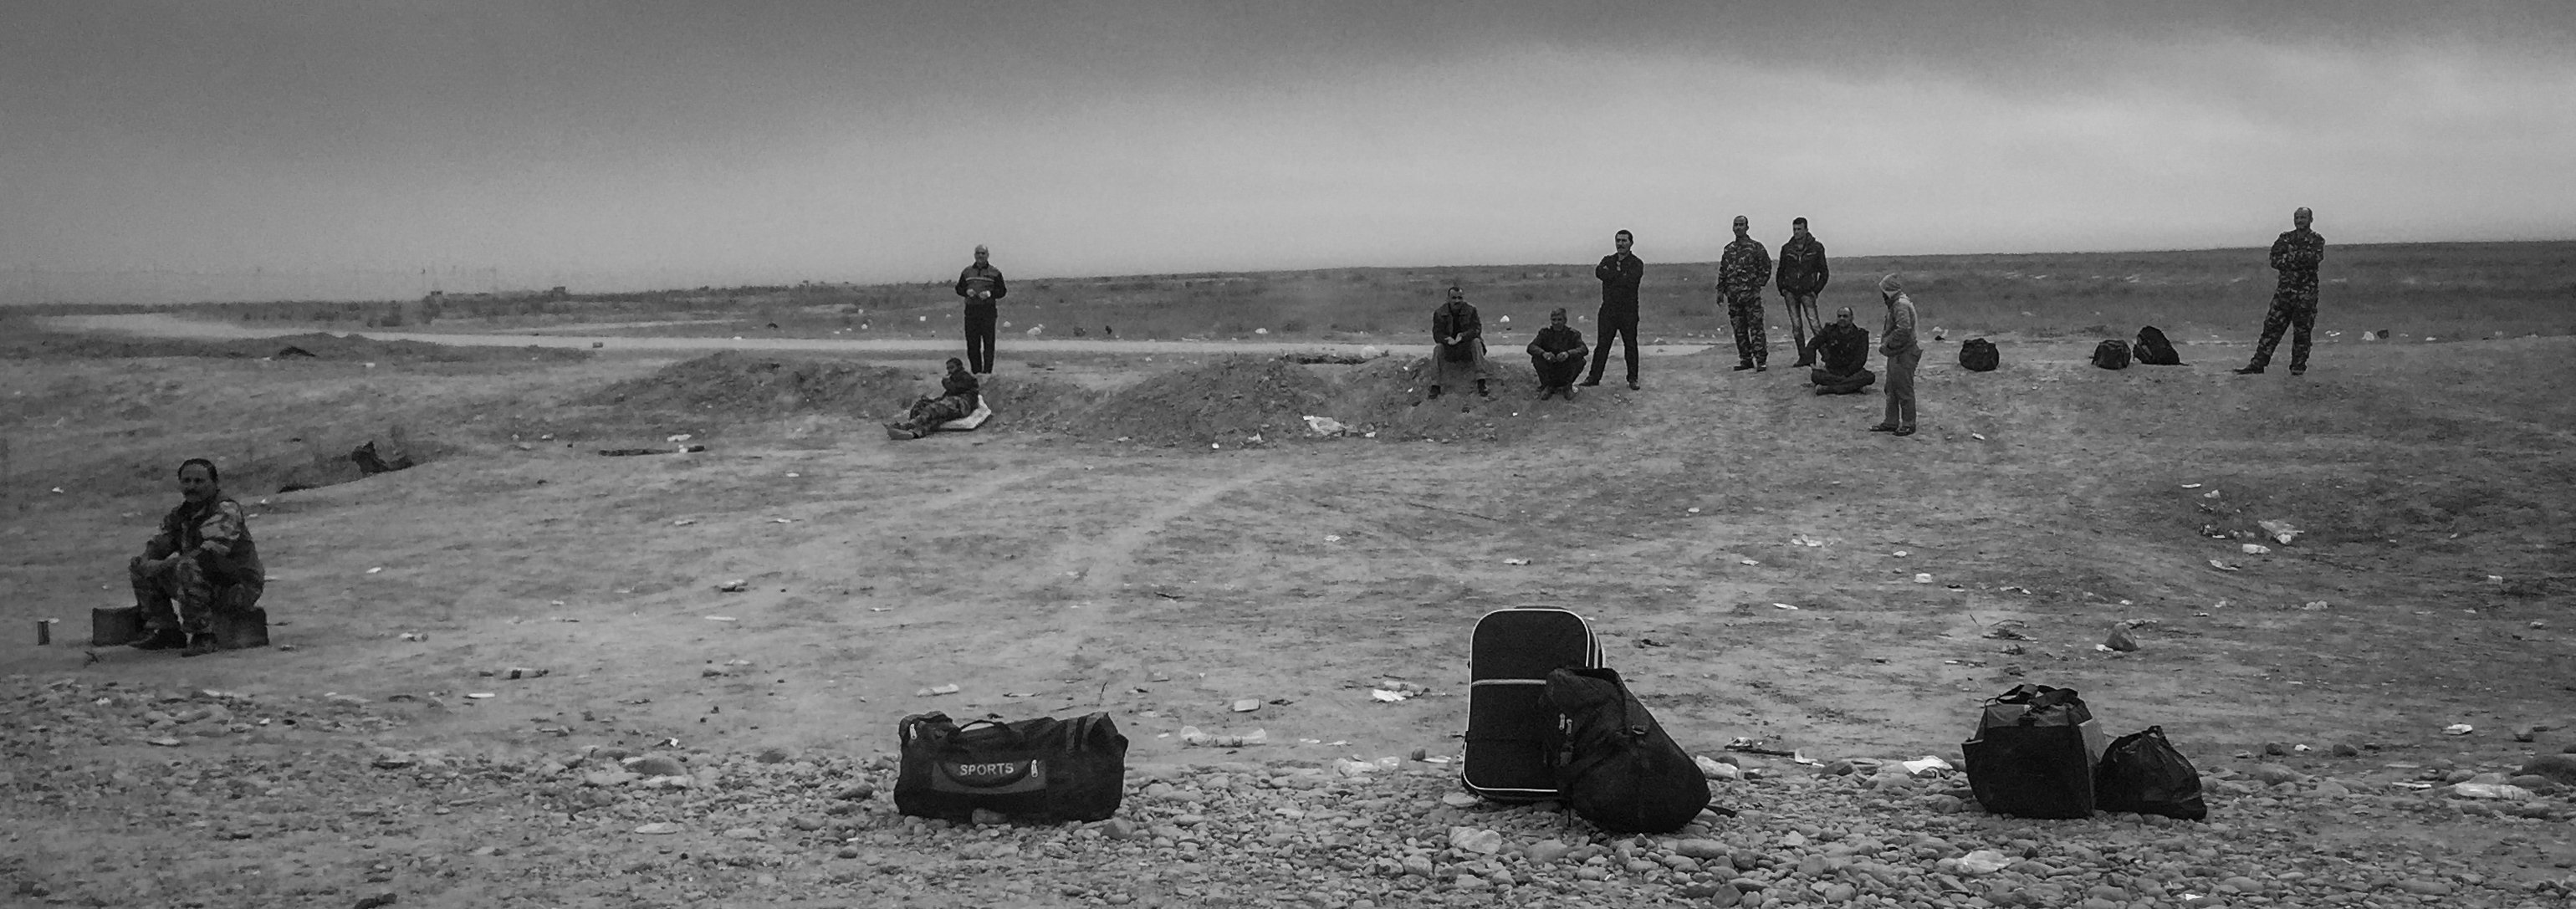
981,284
1741,272
2294,302
1557,356
1619,273
1802,277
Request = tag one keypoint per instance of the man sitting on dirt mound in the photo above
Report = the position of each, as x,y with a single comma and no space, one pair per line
1845,349
203,561
958,395
1457,344
1557,355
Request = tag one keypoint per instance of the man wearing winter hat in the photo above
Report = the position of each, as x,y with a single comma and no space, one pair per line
1902,356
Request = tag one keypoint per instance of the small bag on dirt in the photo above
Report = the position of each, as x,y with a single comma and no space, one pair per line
1979,355
2033,754
2111,354
2153,349
2142,772
1044,770
1620,770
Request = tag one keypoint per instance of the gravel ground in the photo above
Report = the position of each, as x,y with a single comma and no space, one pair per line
130,797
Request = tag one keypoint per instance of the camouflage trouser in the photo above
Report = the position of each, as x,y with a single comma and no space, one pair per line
197,598
928,413
2292,312
1752,342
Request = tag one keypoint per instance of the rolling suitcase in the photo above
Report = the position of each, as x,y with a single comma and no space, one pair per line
1512,731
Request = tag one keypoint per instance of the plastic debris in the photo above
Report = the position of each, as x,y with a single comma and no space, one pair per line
722,618
1784,606
2282,532
412,636
1979,436
1246,705
2256,549
480,695
1921,578
1386,696
2458,729
2315,606
2191,486
950,688
2222,566
682,437
1325,426
1926,765
2501,791
1515,561
1716,769
1192,736
1749,561
375,569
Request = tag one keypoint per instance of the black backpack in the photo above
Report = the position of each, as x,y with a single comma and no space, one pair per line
1620,770
1980,355
2111,355
2142,772
2153,350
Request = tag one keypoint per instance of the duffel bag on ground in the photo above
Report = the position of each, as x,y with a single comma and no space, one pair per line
1044,770
1621,771
2033,754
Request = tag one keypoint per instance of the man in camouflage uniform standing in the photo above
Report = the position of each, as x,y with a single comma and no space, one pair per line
1741,272
2294,303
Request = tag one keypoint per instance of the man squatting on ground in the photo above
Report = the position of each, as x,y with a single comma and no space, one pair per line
1619,273
1802,276
1557,356
1902,356
1457,344
1741,272
203,561
958,395
1845,348
2294,303
981,284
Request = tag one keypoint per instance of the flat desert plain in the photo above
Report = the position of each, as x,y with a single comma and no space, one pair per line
1162,537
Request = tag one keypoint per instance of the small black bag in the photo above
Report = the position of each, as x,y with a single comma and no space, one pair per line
2033,754
1044,770
1979,355
2153,349
1621,771
2111,354
2142,772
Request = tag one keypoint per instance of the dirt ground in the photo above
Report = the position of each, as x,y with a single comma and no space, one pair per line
1755,563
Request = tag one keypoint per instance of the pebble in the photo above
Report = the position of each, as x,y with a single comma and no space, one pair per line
742,833
1548,852
656,765
658,828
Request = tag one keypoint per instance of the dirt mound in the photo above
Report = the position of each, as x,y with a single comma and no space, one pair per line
735,384
312,345
1225,401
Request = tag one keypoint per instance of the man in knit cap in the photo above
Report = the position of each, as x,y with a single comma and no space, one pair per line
1741,272
1902,356
2294,302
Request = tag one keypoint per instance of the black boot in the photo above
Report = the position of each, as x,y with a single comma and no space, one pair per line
162,639
199,645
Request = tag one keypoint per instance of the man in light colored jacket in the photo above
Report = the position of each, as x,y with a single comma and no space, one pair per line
1903,354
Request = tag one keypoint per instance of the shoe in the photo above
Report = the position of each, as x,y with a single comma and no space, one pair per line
199,645
1633,386
1435,393
2249,370
164,639
1569,392
1903,431
1587,383
1740,367
1761,367
1803,364
2298,370
1883,427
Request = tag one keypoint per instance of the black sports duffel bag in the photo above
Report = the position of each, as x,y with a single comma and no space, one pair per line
1043,770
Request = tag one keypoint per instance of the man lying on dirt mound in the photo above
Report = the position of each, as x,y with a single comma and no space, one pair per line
203,560
958,395
1845,350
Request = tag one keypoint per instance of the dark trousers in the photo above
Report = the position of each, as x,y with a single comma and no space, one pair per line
1555,373
1626,330
1752,343
1833,383
185,596
2294,315
979,338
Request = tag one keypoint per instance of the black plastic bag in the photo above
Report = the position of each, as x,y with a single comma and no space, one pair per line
1622,772
2112,354
2142,772
1979,355
1044,770
2033,754
2154,349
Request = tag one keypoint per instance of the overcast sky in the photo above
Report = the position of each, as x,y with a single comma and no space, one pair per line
687,143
